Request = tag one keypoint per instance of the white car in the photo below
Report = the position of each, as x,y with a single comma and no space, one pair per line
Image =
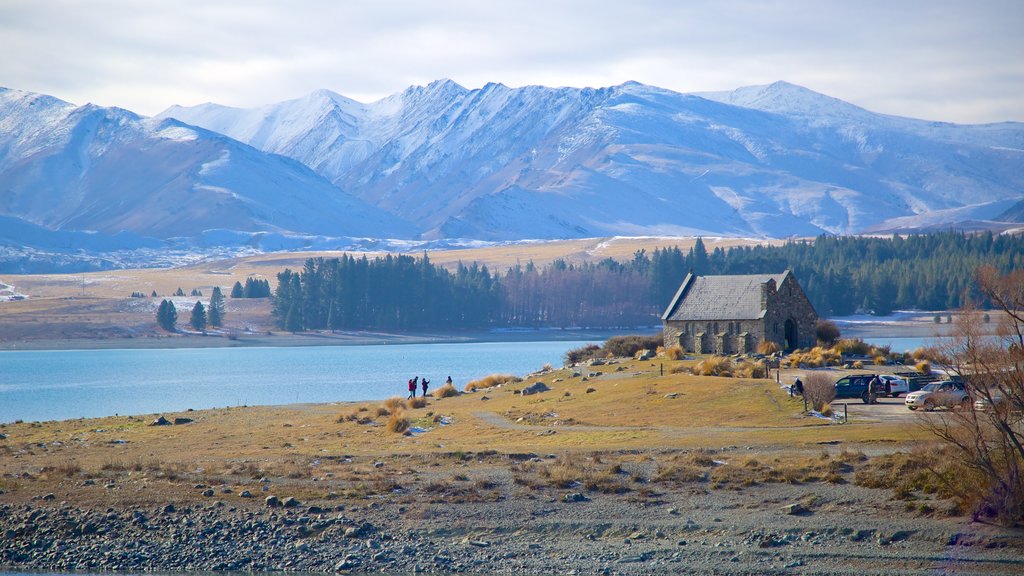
946,394
894,385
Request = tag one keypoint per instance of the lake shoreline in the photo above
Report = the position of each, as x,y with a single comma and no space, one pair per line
325,338
900,325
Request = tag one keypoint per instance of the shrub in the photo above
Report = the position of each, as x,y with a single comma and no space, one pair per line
748,369
714,366
492,380
858,365
767,347
675,352
660,351
398,422
446,391
881,360
827,332
924,367
382,411
577,355
394,403
852,346
419,402
628,346
819,390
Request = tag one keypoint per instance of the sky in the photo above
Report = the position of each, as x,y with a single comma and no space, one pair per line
949,60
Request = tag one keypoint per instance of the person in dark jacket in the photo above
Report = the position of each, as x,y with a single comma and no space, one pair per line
424,383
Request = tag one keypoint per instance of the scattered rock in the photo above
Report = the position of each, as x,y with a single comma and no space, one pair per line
245,494
574,497
181,420
795,509
161,421
672,395
535,388
591,389
272,501
290,502
208,492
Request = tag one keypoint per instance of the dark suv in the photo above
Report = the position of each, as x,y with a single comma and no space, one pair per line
856,386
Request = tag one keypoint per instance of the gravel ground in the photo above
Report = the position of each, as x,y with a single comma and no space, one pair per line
807,528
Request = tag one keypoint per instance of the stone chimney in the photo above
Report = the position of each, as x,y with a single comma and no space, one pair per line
767,291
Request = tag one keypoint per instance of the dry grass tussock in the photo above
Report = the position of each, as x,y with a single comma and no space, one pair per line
816,357
418,402
925,470
723,366
446,391
924,367
714,366
399,421
394,403
736,471
675,352
767,347
492,380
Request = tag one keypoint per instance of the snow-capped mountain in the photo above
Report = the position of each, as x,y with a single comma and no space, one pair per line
537,162
88,168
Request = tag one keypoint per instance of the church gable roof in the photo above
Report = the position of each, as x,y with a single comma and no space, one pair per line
735,297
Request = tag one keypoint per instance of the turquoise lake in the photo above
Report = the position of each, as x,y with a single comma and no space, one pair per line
65,384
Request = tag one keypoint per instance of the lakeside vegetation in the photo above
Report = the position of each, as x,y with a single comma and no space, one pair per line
840,275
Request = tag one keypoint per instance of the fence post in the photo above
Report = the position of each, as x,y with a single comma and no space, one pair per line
846,414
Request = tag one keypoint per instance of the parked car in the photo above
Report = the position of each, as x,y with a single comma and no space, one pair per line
984,405
944,394
894,385
856,386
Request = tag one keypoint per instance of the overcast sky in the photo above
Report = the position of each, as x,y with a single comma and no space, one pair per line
958,61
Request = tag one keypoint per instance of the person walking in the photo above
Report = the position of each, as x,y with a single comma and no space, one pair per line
412,388
424,383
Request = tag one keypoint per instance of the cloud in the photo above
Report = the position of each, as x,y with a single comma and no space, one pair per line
937,59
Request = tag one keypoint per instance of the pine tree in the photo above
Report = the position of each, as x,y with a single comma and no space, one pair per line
237,291
167,316
198,319
154,294
179,292
215,313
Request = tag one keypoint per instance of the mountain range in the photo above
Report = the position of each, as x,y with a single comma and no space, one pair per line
499,163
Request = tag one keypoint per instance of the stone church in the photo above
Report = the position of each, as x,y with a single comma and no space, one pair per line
734,314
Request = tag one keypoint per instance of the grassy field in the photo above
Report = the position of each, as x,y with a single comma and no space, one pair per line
629,407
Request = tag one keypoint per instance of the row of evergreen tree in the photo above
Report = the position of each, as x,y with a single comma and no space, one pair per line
841,275
201,317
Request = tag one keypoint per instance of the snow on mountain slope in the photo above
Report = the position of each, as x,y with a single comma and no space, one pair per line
537,162
106,169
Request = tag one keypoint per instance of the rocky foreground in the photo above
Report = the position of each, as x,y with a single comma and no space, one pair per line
767,529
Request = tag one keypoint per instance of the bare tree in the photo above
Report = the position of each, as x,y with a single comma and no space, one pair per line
819,389
990,441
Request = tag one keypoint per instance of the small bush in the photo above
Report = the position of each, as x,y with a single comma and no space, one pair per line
827,332
714,366
819,390
858,365
628,346
492,380
924,367
398,422
382,411
881,360
767,347
394,403
577,355
446,391
675,352
419,402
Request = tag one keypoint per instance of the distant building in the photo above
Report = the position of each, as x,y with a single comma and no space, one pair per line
734,314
